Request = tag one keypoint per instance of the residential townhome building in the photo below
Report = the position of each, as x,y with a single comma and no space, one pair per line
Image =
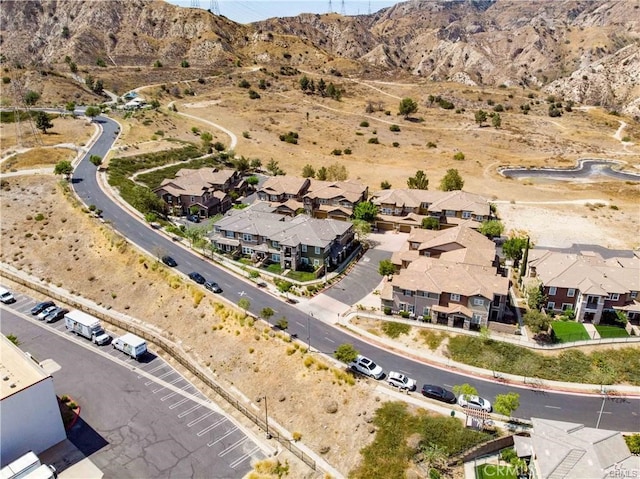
285,193
455,294
295,243
591,283
334,199
460,244
210,190
403,209
319,199
558,449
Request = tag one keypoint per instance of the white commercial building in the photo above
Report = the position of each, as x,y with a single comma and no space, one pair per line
31,419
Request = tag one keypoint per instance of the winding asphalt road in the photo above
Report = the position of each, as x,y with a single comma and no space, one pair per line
584,169
617,414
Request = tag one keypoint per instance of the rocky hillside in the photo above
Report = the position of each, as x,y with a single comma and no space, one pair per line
587,50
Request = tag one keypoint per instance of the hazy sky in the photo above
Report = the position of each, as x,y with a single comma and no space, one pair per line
254,10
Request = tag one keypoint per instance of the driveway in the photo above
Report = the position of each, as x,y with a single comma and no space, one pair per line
364,277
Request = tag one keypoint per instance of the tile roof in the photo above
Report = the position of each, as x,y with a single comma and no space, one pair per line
564,449
195,182
460,244
288,231
350,190
590,273
437,200
438,276
278,185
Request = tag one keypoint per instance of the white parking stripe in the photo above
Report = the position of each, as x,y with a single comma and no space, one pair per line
231,431
189,411
201,418
233,446
212,426
241,459
179,403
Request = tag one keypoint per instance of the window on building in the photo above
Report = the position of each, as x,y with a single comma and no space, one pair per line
246,250
551,305
476,318
275,257
449,213
634,294
304,260
571,292
318,250
613,297
478,301
247,237
466,214
567,306
454,297
304,248
552,291
229,234
426,311
316,262
433,296
275,244
192,199
408,292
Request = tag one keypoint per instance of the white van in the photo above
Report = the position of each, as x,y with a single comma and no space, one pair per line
132,345
5,296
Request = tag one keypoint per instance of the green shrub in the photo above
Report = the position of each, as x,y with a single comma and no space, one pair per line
394,330
373,141
387,310
394,128
364,124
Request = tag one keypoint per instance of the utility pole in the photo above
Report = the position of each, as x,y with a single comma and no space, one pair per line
195,3
342,10
215,8
330,8
309,332
266,417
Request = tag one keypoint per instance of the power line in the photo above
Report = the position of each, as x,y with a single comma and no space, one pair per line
215,8
342,10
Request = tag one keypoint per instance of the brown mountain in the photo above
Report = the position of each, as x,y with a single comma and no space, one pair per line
588,51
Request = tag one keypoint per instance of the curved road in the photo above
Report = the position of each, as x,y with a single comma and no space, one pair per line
618,414
584,169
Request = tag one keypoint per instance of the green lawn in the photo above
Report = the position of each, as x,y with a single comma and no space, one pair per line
491,471
274,268
568,331
302,276
608,331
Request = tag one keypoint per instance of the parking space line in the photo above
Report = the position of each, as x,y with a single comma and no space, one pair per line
228,433
201,418
168,373
177,380
164,398
243,458
189,411
212,426
158,390
162,365
179,403
238,443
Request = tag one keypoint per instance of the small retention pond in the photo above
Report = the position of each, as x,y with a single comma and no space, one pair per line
584,169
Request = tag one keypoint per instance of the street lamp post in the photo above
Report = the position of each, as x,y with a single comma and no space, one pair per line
266,417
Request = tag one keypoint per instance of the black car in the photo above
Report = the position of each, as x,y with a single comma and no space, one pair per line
197,277
55,315
212,286
169,261
40,307
439,393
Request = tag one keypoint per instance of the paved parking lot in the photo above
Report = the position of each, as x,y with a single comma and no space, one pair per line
144,420
364,277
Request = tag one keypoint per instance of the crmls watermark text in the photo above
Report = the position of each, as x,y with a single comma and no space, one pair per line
626,473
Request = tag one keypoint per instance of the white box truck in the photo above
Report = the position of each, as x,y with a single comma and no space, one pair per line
131,344
86,325
28,466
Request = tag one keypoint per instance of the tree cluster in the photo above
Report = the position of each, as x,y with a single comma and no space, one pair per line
334,172
310,87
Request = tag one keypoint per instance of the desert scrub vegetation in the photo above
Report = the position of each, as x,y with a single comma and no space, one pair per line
391,452
394,330
607,366
432,338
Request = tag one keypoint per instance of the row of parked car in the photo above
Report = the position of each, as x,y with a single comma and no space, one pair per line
48,312
366,366
197,277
